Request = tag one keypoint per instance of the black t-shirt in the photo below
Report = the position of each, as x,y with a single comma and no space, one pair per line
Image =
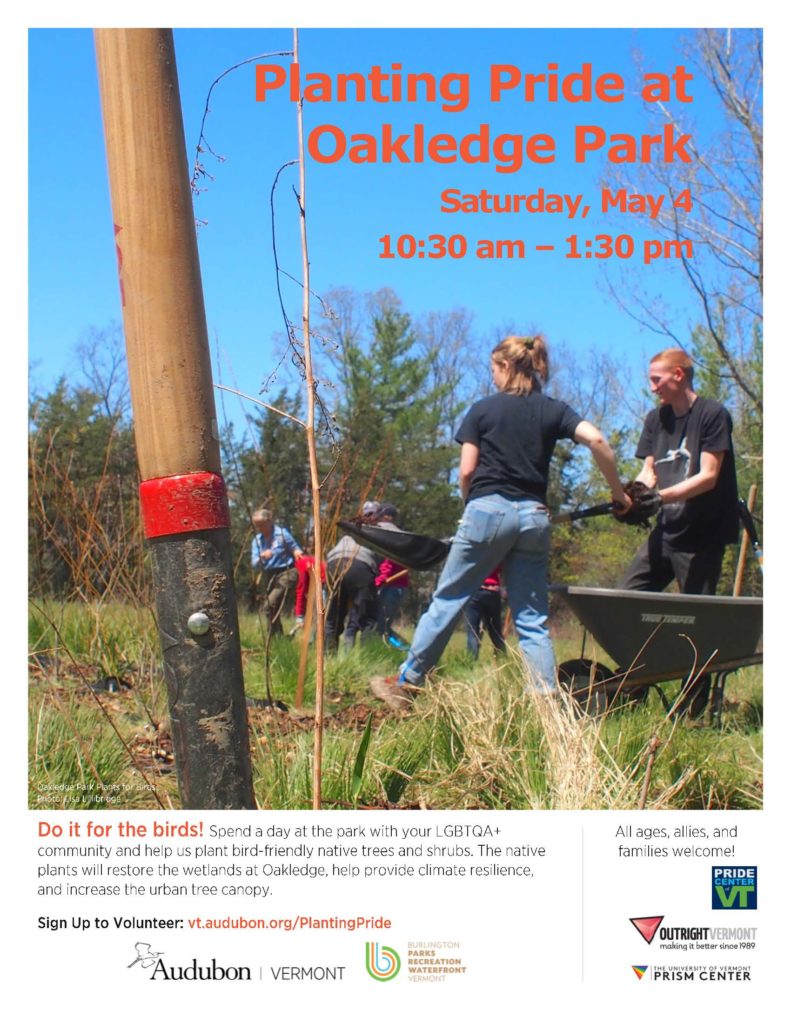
676,443
516,435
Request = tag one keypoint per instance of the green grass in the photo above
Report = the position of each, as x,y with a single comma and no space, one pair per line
77,761
474,739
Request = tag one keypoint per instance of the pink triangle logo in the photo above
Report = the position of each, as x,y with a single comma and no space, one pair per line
647,926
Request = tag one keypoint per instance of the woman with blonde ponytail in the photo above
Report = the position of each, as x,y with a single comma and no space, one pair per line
525,362
507,441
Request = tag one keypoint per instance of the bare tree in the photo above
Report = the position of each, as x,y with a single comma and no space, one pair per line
102,360
715,203
445,341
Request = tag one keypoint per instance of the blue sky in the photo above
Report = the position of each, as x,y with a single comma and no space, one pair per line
72,272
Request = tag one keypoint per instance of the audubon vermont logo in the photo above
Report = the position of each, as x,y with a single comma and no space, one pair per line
146,957
192,971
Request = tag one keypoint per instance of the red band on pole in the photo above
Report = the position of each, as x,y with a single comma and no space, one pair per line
181,504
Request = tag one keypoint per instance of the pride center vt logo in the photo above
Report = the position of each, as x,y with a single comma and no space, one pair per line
381,962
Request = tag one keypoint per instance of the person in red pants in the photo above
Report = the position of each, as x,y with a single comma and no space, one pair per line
304,567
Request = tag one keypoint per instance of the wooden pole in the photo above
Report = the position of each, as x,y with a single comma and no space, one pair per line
185,509
745,544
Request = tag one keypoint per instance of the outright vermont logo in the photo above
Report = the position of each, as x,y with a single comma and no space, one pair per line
647,926
694,936
734,888
381,962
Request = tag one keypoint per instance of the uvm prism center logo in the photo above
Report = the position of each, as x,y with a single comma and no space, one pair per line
381,962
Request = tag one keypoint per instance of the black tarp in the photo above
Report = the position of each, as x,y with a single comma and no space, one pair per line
413,550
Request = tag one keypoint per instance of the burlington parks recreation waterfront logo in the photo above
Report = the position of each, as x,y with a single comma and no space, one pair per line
381,962
734,888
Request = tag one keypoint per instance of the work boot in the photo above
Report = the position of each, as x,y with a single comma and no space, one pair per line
399,698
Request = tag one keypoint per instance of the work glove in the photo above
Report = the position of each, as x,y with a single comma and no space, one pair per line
646,502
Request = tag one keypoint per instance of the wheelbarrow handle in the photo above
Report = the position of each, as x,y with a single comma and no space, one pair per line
583,513
749,528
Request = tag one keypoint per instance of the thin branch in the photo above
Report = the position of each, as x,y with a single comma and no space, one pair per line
272,408
314,467
289,326
198,169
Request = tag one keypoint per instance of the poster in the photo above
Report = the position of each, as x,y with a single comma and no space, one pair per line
507,186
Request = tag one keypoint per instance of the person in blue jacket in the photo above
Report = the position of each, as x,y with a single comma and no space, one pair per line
273,553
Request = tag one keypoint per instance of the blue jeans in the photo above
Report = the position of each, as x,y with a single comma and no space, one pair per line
494,530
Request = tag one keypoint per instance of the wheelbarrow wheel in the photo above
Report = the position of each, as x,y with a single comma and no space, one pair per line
580,677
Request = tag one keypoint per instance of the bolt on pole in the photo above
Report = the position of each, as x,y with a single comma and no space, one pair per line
183,498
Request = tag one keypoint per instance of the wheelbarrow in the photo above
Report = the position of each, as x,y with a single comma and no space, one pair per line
654,638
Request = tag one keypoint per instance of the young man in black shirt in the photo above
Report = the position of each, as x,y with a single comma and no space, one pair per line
688,457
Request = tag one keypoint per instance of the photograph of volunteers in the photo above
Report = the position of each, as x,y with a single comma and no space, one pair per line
507,442
351,579
687,455
273,555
